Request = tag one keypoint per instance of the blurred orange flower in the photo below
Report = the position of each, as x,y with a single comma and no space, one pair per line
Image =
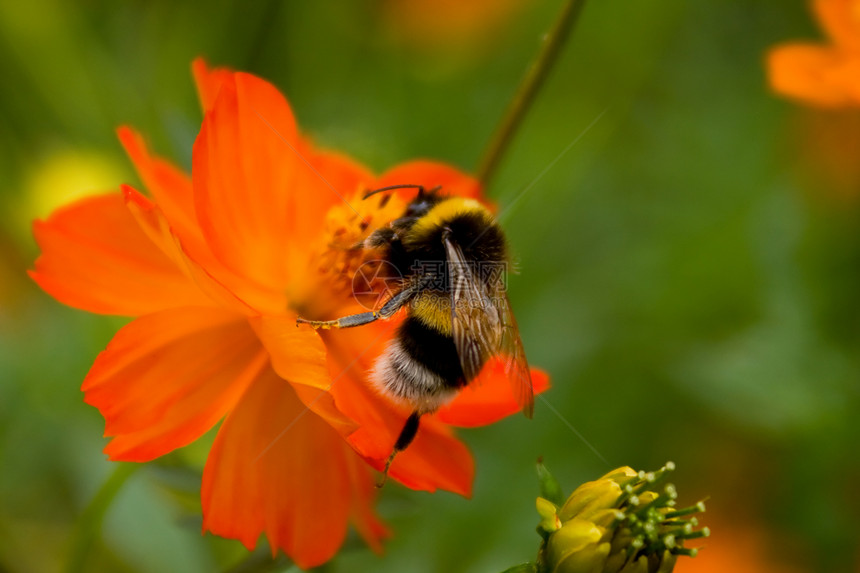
741,546
828,141
822,75
215,267
450,25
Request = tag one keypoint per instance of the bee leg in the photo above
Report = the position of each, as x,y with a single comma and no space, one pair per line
394,304
407,434
343,322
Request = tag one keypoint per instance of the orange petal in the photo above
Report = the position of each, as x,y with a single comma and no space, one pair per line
816,75
240,182
362,514
153,222
173,194
335,178
298,355
166,378
209,81
431,174
488,399
260,192
96,257
841,20
277,468
344,174
434,460
326,179
170,187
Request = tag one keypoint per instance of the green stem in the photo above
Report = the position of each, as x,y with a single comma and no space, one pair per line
528,89
89,524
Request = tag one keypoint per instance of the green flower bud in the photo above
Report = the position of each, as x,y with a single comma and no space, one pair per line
624,522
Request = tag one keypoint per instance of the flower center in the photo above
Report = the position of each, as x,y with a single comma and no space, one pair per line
345,277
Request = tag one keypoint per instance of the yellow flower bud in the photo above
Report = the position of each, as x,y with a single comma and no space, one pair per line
589,498
621,475
549,518
624,522
591,561
574,548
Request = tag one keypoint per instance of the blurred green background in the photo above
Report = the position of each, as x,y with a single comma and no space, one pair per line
689,268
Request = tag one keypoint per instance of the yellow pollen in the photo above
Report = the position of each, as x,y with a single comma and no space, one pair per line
337,254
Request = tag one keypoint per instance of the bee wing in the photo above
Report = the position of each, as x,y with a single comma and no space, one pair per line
475,321
483,326
516,366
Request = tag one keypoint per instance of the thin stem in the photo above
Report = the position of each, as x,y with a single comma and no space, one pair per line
528,89
90,522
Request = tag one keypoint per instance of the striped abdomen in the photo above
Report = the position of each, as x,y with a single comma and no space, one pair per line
420,366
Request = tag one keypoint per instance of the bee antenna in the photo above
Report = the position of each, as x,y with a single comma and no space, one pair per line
420,188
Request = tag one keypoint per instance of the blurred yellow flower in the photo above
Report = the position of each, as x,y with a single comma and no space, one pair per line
66,176
56,179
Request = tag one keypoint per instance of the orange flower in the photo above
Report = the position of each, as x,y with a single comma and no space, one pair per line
216,267
822,75
449,24
743,544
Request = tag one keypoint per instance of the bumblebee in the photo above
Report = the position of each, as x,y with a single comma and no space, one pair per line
452,256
